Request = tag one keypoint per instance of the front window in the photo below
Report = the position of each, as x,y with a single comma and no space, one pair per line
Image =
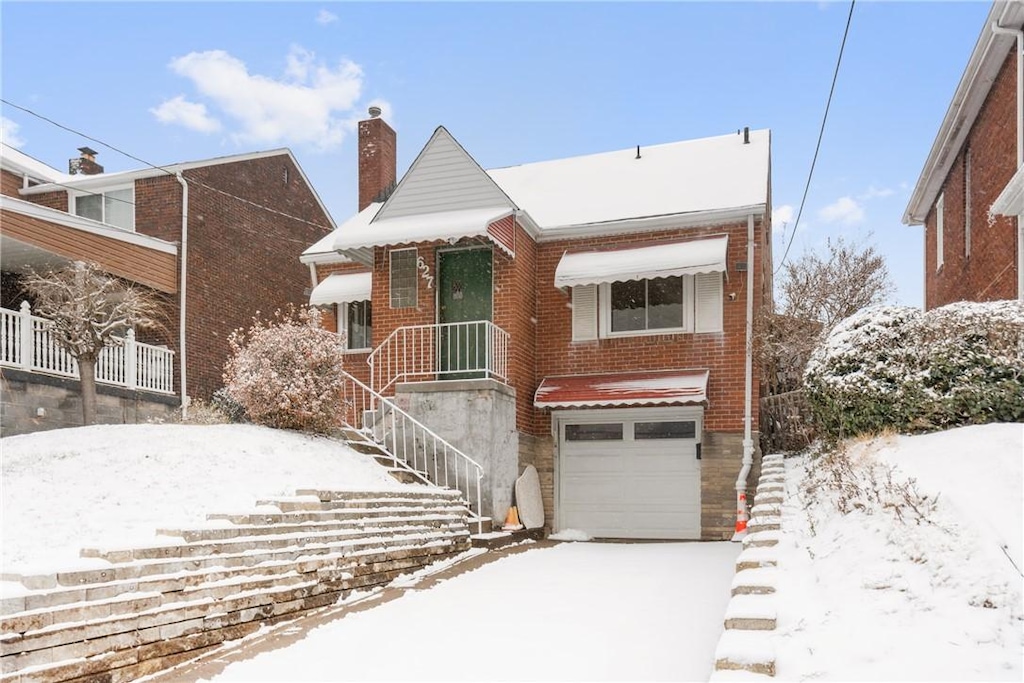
113,207
358,325
647,304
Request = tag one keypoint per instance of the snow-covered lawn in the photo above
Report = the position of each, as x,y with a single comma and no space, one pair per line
111,485
865,597
860,597
578,611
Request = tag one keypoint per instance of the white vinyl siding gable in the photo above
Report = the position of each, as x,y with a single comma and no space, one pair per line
708,302
443,178
584,312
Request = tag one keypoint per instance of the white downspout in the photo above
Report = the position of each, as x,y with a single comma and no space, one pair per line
183,282
748,394
1019,35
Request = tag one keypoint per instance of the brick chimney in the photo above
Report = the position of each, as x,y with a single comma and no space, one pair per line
85,164
377,159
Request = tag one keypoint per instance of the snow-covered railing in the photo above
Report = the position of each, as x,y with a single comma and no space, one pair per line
437,352
410,444
26,342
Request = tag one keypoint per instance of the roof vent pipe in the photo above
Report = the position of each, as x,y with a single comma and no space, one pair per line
746,135
638,151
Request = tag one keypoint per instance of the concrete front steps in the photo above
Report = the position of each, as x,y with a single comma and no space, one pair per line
145,609
746,650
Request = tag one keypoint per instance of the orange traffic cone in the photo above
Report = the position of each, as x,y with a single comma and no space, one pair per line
512,520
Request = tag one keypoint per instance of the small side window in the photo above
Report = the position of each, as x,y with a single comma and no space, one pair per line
403,278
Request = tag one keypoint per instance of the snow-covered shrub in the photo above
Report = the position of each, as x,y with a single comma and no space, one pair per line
287,373
895,367
231,409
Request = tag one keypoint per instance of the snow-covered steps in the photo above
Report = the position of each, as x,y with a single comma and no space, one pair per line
138,610
751,651
745,650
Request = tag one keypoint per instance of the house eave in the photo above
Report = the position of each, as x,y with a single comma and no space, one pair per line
647,223
975,84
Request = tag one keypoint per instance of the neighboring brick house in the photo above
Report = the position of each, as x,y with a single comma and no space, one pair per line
588,316
969,194
239,223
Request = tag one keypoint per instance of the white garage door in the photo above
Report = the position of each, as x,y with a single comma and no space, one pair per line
630,473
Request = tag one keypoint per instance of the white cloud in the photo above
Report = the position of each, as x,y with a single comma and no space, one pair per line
189,114
876,193
844,210
9,132
781,215
312,104
324,17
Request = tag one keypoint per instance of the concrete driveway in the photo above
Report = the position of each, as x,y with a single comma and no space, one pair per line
545,611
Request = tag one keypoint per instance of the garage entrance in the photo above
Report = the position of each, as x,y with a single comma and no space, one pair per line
629,473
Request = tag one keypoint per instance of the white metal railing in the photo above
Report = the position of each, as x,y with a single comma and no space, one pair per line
26,342
410,444
443,351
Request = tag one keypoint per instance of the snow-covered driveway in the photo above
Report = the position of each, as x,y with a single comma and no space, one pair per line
576,611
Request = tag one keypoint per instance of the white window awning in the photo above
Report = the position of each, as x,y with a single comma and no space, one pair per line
425,227
637,263
1010,201
341,288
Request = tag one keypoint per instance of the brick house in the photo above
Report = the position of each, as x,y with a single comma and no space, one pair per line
970,195
218,238
588,316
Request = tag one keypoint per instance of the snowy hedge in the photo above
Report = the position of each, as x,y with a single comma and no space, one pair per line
898,368
287,373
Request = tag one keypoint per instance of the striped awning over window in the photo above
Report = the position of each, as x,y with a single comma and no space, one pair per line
637,263
663,387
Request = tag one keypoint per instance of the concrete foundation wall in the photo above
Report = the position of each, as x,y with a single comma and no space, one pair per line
721,460
479,418
33,403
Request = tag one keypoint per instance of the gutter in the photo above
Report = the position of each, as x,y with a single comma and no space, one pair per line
182,294
1019,35
742,514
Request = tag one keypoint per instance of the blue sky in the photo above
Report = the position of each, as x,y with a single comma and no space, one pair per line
513,82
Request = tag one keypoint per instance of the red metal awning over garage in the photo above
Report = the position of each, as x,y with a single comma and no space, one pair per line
663,387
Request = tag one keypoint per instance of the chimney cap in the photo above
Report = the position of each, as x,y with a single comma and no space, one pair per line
374,111
88,151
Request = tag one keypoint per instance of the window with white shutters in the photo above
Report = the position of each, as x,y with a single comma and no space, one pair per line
688,303
584,312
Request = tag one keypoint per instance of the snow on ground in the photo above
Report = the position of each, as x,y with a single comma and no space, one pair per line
114,485
865,597
577,611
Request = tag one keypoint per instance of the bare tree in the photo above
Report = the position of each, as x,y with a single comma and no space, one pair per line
815,293
90,310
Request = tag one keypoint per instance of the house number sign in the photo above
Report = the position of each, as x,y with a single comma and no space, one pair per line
425,272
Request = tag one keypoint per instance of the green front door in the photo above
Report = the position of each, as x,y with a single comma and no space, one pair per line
464,301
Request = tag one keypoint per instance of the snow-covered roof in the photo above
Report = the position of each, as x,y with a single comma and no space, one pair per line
659,260
340,288
623,389
16,161
701,176
1010,201
987,58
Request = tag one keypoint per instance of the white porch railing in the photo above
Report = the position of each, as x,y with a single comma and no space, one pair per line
437,352
26,342
410,444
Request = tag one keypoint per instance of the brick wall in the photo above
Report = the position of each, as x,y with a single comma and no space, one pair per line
10,183
242,259
990,272
722,353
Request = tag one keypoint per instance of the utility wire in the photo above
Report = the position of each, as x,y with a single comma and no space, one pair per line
168,172
821,134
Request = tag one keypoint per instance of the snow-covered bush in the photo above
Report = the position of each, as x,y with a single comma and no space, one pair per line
287,373
898,368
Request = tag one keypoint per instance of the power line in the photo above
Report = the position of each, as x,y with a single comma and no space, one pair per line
168,172
821,134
